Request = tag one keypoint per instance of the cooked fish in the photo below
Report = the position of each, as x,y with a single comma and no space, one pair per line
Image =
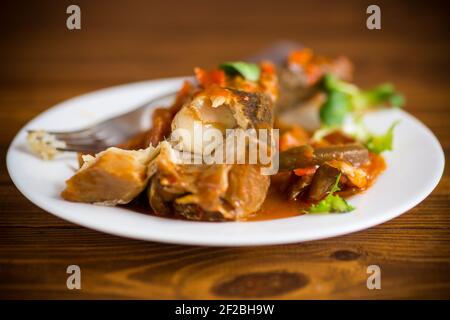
204,192
112,177
302,73
247,189
220,108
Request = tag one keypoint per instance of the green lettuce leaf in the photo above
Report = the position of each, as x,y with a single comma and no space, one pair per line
335,108
249,71
332,203
344,97
384,142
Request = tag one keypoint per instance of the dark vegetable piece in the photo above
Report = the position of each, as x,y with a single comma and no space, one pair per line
355,153
297,157
322,182
332,203
298,186
306,156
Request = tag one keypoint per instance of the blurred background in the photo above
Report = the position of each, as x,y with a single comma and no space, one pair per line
43,63
123,41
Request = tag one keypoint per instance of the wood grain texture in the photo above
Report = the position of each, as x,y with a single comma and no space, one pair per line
42,63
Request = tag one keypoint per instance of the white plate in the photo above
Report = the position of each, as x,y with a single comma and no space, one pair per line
414,169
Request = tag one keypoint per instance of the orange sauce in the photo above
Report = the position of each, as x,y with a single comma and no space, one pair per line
277,205
374,168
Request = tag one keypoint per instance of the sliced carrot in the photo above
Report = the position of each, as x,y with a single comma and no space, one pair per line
207,78
305,171
295,136
301,57
267,67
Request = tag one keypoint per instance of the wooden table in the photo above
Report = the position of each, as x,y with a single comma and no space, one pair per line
43,63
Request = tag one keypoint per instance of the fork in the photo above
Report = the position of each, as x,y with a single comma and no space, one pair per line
121,128
109,132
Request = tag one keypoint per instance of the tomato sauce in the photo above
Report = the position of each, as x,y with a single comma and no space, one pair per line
277,205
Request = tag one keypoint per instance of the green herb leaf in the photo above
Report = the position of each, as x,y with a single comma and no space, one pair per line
249,71
319,134
335,108
397,100
331,203
344,97
382,94
383,142
333,83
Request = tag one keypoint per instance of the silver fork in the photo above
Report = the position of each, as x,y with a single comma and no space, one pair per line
111,131
120,128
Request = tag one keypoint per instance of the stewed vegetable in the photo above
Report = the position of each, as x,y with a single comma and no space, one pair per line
307,156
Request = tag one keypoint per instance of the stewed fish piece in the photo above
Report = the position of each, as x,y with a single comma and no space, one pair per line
114,176
221,109
302,72
204,192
